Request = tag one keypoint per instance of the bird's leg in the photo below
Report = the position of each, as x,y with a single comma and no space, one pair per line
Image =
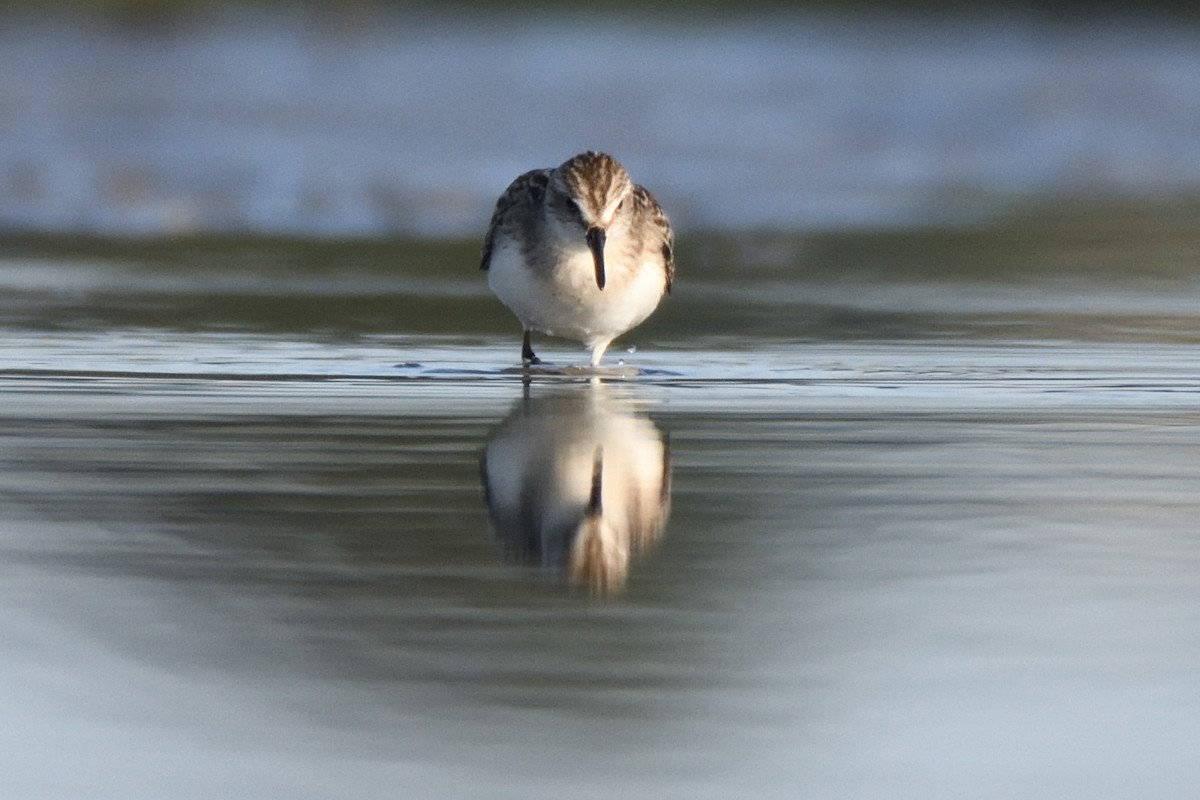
527,354
598,352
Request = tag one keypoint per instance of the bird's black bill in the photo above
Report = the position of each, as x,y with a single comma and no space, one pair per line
595,240
595,505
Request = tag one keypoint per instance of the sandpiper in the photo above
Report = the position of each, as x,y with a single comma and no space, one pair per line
580,482
579,251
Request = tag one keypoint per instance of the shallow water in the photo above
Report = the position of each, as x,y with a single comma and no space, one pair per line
927,532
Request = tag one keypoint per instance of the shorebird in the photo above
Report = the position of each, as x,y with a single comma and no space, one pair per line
579,251
578,482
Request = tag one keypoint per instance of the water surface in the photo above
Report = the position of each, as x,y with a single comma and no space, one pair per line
931,525
380,118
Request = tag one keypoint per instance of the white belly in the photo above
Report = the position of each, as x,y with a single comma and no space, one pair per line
566,302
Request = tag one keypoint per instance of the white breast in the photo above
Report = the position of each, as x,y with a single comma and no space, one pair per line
566,301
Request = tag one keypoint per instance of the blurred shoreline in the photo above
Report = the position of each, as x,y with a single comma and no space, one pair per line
1109,240
139,120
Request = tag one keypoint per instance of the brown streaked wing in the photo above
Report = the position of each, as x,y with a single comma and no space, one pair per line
662,230
527,190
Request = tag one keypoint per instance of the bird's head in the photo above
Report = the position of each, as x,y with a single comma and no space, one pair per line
587,193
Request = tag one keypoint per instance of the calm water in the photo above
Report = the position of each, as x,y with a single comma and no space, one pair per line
894,516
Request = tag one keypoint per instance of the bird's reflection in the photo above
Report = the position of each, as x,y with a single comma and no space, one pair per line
578,482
